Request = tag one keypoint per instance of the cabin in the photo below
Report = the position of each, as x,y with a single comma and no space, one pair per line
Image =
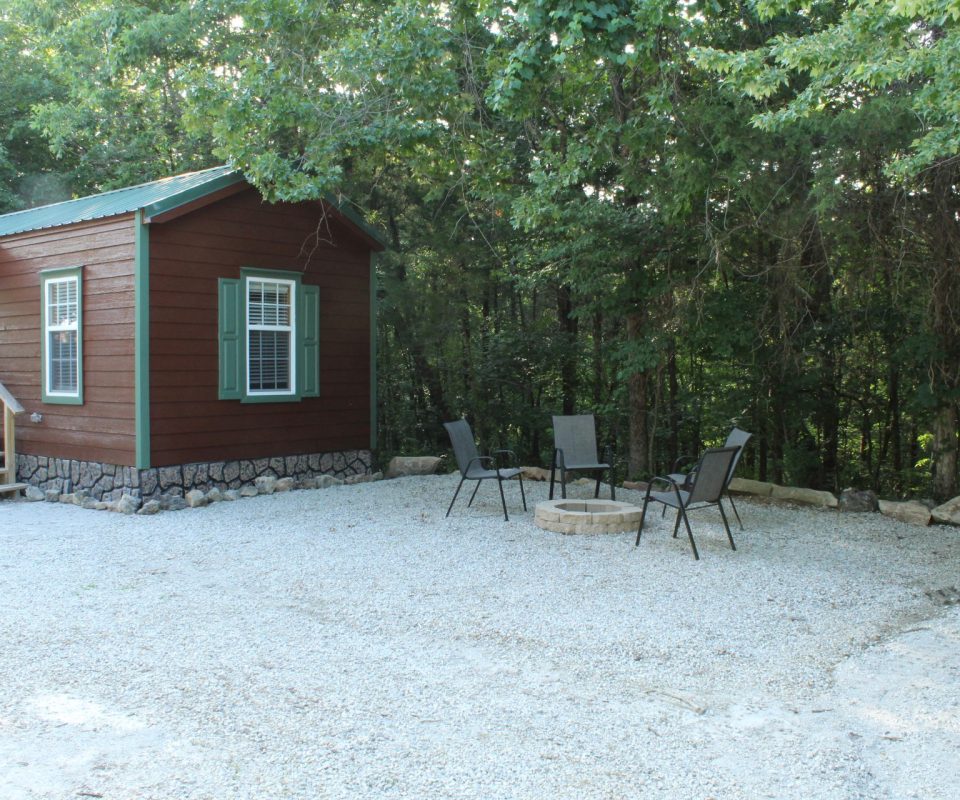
186,334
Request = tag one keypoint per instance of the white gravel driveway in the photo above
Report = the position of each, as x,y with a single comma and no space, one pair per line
353,643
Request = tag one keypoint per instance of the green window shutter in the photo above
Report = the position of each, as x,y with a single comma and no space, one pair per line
309,325
231,339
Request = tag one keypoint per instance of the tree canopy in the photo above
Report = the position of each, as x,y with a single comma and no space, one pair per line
678,214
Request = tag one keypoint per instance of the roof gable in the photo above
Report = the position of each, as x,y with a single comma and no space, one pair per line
154,196
157,199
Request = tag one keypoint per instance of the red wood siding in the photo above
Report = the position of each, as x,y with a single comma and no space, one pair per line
102,429
187,256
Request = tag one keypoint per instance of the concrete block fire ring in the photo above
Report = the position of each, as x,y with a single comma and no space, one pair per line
586,516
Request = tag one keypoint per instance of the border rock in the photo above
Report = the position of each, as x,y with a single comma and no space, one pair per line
911,512
948,513
858,501
747,486
812,497
403,466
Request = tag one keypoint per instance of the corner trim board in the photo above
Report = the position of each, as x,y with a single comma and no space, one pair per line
141,281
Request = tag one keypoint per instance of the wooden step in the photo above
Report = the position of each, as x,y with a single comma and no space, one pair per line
11,487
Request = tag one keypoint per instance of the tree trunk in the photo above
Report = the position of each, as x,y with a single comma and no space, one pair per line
945,323
637,387
568,332
945,453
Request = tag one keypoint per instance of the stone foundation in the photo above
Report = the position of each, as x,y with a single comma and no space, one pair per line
109,482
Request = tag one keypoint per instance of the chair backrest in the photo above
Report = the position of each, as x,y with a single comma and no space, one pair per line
464,446
577,437
737,438
712,473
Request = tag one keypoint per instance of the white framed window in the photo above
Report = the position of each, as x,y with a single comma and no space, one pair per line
271,322
61,346
268,324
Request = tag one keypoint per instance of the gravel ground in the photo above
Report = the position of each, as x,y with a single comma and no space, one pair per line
353,643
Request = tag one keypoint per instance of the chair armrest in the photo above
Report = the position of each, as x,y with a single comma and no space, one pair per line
663,479
480,459
681,461
510,453
670,483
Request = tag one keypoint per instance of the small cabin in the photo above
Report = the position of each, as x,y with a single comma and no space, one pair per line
186,334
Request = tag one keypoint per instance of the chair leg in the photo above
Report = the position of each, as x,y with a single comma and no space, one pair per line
523,497
676,523
502,498
596,492
726,525
734,507
459,485
643,513
563,483
475,490
613,491
553,475
693,544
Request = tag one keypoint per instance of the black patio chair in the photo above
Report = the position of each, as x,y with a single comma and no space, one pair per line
704,487
472,468
737,438
575,449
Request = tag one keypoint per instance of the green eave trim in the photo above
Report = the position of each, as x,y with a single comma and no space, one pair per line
189,195
141,335
357,220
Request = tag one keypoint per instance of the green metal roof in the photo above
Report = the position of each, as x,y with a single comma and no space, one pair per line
154,197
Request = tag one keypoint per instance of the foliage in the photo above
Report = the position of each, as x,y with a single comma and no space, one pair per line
679,215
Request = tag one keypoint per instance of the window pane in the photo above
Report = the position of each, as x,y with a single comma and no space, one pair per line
269,361
269,303
63,361
62,303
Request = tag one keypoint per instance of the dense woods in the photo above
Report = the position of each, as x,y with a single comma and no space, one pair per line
680,215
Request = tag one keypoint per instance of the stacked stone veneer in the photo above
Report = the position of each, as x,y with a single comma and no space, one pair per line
110,481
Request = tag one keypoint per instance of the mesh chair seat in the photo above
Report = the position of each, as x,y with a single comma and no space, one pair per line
704,487
472,465
737,438
479,474
575,448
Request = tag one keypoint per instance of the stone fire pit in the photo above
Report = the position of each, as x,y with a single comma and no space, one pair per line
586,516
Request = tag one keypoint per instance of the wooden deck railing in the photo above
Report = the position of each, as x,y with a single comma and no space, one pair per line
8,472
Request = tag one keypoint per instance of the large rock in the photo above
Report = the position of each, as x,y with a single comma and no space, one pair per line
128,504
537,474
402,466
149,508
172,502
948,513
34,494
810,497
858,501
266,484
195,498
910,512
746,486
